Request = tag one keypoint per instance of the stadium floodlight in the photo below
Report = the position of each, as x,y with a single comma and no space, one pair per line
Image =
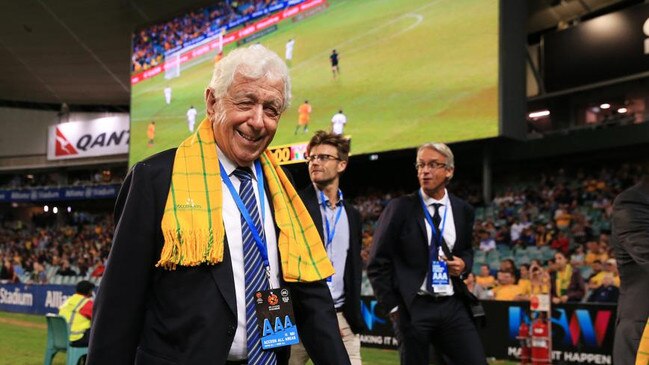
605,106
173,60
69,209
539,114
622,110
55,210
46,208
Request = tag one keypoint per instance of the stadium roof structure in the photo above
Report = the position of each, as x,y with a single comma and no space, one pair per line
78,52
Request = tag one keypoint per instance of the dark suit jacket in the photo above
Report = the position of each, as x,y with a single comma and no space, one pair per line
630,242
399,258
352,278
147,315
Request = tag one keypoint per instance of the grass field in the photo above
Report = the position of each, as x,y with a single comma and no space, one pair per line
411,71
23,338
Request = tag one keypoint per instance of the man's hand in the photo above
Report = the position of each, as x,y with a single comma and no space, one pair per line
455,266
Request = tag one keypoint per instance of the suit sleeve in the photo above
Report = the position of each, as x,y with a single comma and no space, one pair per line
466,253
380,269
631,226
317,324
120,305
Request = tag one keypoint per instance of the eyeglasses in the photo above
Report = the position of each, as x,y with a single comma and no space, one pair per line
432,165
321,158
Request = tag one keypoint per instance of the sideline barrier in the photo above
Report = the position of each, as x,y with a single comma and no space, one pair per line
33,299
581,333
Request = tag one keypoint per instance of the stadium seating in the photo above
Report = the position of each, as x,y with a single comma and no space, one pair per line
57,341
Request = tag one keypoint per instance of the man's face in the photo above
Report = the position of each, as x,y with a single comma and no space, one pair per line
431,179
324,172
245,119
505,278
560,261
484,271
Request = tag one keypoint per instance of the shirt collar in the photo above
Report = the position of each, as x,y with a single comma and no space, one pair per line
429,201
230,166
320,194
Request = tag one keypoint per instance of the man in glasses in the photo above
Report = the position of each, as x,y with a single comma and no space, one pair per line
421,251
339,225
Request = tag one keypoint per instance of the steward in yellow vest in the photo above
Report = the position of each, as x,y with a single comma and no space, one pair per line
77,311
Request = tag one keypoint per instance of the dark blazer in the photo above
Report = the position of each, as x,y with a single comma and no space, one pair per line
630,242
399,258
353,266
147,315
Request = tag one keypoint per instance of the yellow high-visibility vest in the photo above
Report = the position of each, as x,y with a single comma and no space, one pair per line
77,323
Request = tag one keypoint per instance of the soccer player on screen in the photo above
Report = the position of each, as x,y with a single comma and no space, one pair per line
289,51
150,134
191,118
167,92
304,112
333,57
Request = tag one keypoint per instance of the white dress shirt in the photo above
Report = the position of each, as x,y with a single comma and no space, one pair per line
232,225
448,228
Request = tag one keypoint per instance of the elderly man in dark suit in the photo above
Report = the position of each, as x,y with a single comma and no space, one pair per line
630,241
420,254
203,230
339,225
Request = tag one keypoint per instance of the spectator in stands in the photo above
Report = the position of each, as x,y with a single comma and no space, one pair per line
539,279
524,282
542,236
7,272
506,288
578,256
567,283
485,279
561,242
562,217
595,278
65,269
38,273
98,271
610,267
509,265
594,252
527,237
608,292
476,289
77,311
487,243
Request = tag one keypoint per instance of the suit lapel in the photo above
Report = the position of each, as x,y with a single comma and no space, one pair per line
421,220
313,206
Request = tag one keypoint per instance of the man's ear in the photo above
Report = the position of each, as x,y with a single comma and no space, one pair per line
210,103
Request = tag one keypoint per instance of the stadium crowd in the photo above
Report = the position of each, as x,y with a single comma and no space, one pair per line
151,44
530,233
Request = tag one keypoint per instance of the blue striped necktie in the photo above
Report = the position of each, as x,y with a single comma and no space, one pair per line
253,269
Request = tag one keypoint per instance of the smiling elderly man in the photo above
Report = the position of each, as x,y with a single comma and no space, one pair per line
193,258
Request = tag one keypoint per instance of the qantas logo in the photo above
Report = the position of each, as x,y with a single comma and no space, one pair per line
369,316
578,328
63,146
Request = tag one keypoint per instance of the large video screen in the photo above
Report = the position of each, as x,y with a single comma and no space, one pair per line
409,71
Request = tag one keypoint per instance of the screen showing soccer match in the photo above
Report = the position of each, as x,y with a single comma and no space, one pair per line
389,74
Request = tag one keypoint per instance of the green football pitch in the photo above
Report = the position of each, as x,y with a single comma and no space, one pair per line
23,338
410,72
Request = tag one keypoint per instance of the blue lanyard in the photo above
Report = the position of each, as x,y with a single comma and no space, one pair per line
261,244
331,231
436,238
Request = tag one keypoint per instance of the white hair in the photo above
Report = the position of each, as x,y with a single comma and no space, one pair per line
255,62
441,148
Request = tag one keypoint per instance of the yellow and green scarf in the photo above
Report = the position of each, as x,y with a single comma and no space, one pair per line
563,280
642,357
192,223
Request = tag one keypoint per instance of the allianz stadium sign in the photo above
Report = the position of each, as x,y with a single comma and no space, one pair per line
92,138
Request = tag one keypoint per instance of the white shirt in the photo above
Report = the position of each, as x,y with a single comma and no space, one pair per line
167,92
191,115
448,228
338,121
289,49
232,225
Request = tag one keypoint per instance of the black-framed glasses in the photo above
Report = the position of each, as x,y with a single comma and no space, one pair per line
321,158
431,165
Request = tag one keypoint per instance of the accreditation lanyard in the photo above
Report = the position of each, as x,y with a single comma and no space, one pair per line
260,242
331,231
436,238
